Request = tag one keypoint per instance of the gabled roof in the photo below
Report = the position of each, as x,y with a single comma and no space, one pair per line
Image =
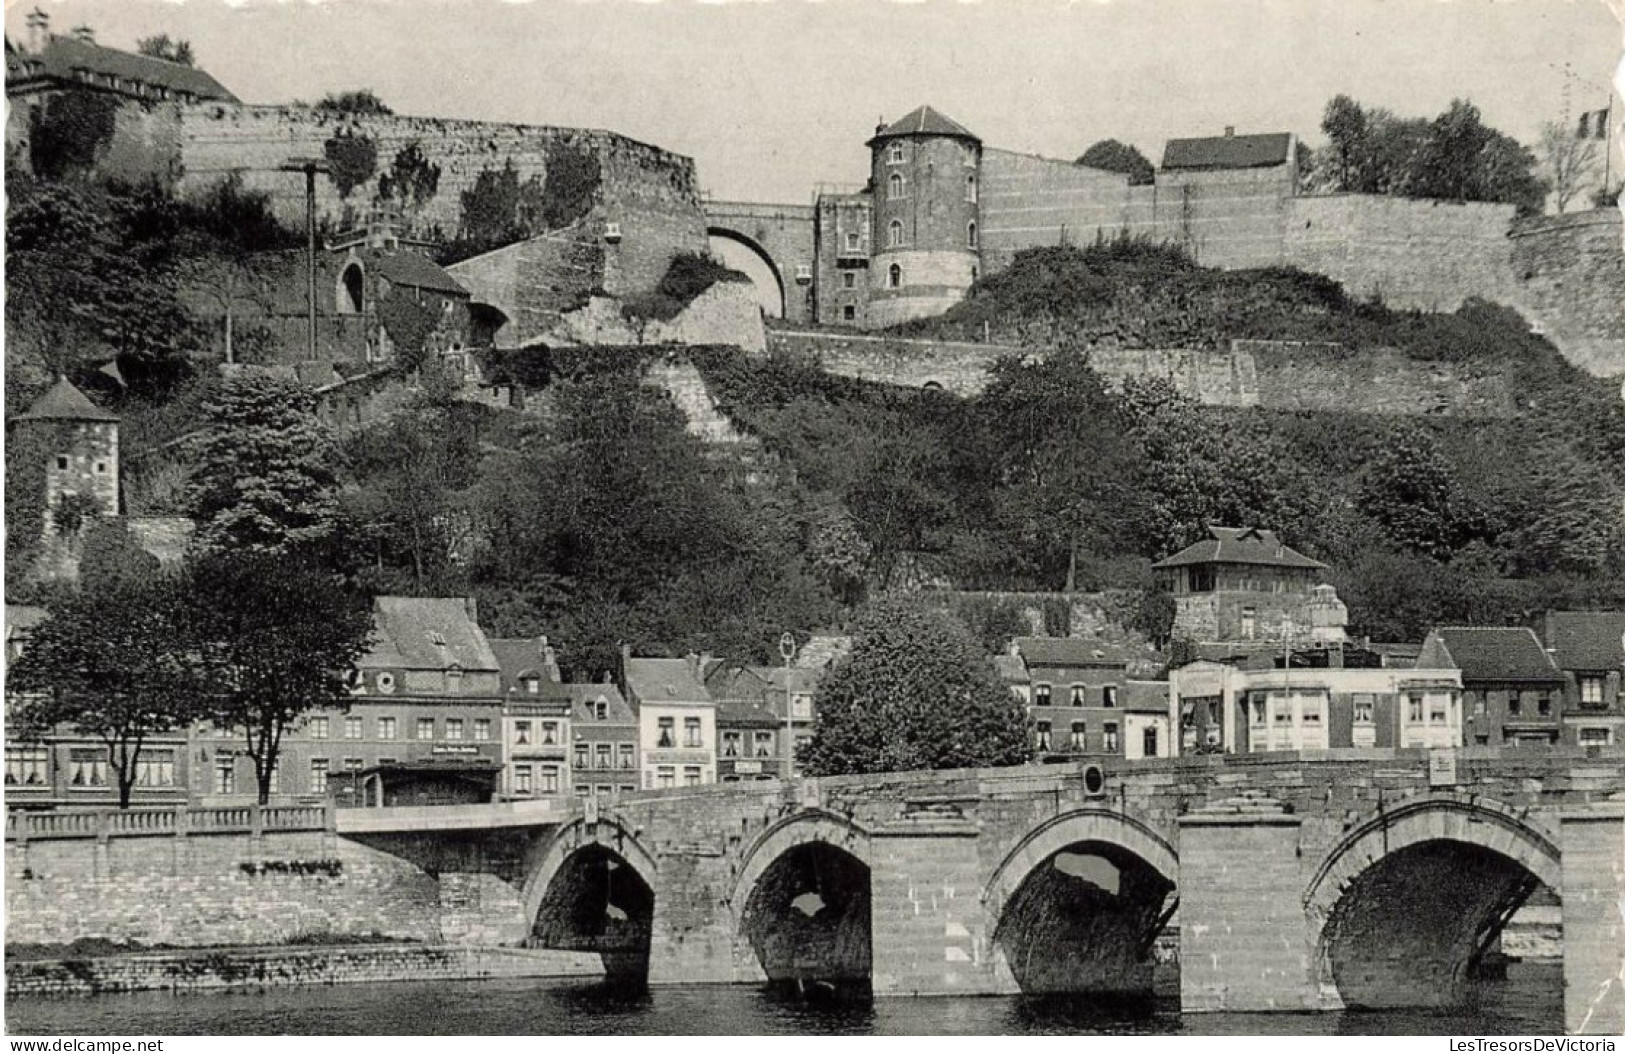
1493,653
1587,640
64,402
1070,651
925,121
428,633
70,59
1240,545
1011,669
404,267
1228,151
664,681
743,715
584,695
520,659
1144,697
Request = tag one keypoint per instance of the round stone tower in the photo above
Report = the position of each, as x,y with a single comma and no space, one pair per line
925,175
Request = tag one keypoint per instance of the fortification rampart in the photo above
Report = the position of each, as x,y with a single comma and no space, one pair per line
1570,275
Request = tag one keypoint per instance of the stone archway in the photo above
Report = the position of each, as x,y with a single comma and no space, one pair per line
801,904
1402,909
749,255
1077,905
594,889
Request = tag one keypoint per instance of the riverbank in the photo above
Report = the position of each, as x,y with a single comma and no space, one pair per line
193,969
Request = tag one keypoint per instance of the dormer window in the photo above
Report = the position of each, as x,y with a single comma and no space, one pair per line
532,683
600,710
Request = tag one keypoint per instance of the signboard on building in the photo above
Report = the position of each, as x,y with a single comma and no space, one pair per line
1442,767
748,768
454,750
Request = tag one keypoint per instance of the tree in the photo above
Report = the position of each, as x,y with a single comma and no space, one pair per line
1114,156
915,692
110,662
162,47
1408,489
362,102
1346,126
274,638
263,480
1569,162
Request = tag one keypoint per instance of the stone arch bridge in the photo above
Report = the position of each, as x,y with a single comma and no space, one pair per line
1359,879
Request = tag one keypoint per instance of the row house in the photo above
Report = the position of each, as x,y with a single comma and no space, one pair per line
424,725
1082,701
758,707
677,726
1588,648
1312,699
66,768
1512,691
536,720
604,746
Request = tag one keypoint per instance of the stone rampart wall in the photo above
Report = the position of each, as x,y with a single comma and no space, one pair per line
1570,275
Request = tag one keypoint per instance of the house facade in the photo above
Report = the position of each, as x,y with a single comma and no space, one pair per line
677,727
1512,691
536,720
1312,703
1076,690
1588,648
604,759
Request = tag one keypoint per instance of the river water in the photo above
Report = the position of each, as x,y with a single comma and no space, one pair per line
1528,1002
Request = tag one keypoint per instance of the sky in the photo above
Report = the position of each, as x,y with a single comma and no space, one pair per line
772,97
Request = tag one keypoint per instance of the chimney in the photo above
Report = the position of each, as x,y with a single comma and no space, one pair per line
472,606
84,34
39,30
1229,131
693,659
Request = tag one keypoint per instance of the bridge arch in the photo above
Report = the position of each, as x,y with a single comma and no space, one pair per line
1402,909
593,888
801,903
1077,904
775,300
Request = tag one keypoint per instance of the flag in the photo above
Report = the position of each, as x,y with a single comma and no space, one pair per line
1585,126
1599,124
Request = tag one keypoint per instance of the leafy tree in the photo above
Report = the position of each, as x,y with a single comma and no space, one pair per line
1408,489
362,102
914,693
1154,616
111,663
412,180
1568,162
69,134
274,638
1345,124
497,210
1114,156
573,178
263,478
162,47
352,159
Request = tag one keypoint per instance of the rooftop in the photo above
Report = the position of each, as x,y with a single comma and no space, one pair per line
523,659
1071,651
1587,640
428,633
743,715
1228,151
616,711
63,402
71,59
924,121
664,681
1240,545
1493,653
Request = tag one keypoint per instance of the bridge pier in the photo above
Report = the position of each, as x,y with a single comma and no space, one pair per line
931,936
1593,847
1243,944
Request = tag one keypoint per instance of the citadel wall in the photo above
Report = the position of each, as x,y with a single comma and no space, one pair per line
1570,275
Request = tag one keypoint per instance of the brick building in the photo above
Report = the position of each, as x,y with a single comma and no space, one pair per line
1588,647
1077,695
603,741
767,690
1511,689
536,713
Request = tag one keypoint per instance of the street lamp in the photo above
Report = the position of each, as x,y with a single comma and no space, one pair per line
787,648
309,166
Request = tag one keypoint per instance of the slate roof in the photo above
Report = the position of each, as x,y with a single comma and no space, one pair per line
1143,697
519,658
1070,651
67,58
925,121
664,681
1228,151
1497,653
1240,545
412,269
1587,640
1011,669
732,714
620,712
63,402
428,633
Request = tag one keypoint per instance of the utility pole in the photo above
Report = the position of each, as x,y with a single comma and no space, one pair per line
787,648
309,166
